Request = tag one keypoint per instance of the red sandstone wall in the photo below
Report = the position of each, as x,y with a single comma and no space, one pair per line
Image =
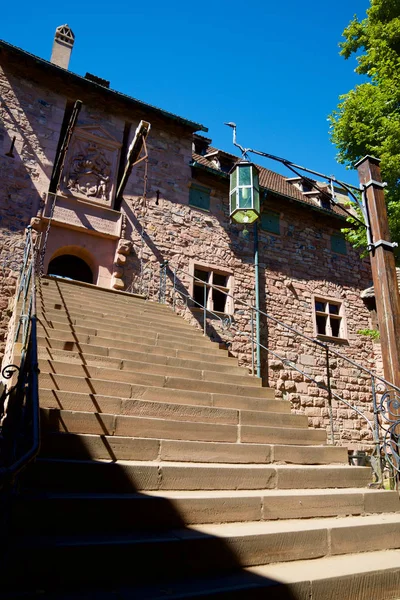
34,117
294,265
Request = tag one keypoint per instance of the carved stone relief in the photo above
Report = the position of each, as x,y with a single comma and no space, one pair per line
91,165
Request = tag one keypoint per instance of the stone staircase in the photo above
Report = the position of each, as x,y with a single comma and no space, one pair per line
166,471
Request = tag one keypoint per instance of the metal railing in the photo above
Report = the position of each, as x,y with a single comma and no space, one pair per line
19,404
367,396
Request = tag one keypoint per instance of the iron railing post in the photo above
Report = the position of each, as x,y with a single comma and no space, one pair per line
174,291
329,389
376,433
205,310
257,299
163,282
252,339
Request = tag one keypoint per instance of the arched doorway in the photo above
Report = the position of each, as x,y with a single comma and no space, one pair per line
72,267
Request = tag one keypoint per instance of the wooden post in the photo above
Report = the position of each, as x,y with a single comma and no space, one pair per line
383,268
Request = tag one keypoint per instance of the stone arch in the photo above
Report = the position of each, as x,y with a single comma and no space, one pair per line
73,262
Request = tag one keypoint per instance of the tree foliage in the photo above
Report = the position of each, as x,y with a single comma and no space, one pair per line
367,119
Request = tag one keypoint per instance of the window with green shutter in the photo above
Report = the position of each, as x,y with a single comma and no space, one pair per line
270,221
338,243
199,197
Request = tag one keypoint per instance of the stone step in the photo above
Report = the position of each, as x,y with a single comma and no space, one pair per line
366,576
70,343
81,314
51,372
205,549
132,476
117,369
86,446
39,513
115,356
166,410
135,335
132,426
94,292
120,325
108,302
131,341
103,387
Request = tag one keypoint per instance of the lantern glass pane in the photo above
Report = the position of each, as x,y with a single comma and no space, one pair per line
233,199
245,197
255,178
244,175
256,201
233,179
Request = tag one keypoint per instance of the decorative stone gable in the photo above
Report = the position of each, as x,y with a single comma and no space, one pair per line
91,165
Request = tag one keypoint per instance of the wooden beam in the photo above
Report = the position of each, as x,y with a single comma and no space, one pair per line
383,268
135,148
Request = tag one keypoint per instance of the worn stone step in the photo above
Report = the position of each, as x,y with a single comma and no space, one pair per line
130,341
365,576
124,425
102,387
51,370
151,408
178,341
70,343
201,550
59,286
39,513
86,446
115,357
122,326
80,314
131,476
120,370
107,304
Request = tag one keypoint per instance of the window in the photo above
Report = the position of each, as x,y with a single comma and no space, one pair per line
216,297
199,197
338,243
325,203
329,318
270,221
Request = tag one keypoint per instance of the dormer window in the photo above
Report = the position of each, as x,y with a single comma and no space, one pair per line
200,144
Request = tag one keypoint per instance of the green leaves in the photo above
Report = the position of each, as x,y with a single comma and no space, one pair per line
367,119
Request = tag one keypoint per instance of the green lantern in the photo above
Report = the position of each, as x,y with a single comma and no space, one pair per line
244,194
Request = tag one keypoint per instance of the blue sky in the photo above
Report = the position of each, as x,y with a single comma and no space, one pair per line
272,67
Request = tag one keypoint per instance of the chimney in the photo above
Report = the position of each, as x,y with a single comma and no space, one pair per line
62,46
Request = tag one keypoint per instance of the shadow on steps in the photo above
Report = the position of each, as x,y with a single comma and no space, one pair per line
81,529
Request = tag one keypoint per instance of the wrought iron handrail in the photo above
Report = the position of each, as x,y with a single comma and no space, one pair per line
19,412
386,420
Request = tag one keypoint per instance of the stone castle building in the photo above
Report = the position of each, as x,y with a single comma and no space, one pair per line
175,207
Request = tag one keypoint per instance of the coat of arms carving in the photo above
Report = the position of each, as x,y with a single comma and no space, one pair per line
91,165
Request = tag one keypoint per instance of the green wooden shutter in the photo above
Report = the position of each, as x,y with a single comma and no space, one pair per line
338,244
270,221
199,197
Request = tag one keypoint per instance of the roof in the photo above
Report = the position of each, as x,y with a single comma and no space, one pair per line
370,292
29,59
269,180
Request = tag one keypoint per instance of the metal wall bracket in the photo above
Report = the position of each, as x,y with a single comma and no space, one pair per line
379,184
388,245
